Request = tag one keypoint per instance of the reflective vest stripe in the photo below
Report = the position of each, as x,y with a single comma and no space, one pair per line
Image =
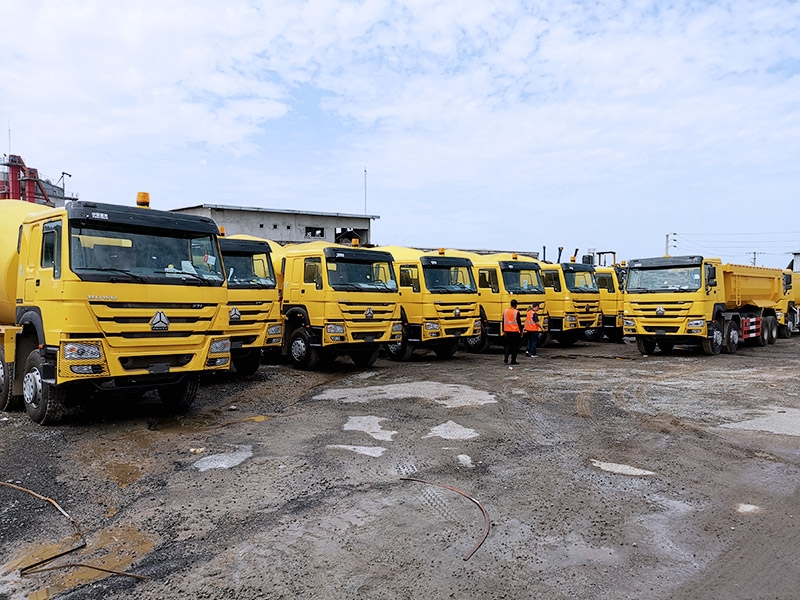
510,324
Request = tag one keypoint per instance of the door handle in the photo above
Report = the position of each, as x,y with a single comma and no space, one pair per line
37,283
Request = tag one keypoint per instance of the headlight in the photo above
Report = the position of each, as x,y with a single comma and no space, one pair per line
628,323
334,328
477,325
696,323
432,326
221,346
571,319
779,315
82,352
397,327
275,330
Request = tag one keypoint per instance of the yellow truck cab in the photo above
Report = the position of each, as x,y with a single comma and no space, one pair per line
438,301
610,284
501,277
695,300
255,324
99,298
573,300
337,300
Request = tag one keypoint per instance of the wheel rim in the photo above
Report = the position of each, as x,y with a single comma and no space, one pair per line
473,342
395,347
32,387
717,337
2,376
299,349
734,337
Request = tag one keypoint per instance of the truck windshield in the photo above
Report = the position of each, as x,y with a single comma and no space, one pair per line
124,254
522,281
345,274
452,279
665,279
246,270
580,281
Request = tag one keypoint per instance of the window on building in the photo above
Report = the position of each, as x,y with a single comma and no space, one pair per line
315,232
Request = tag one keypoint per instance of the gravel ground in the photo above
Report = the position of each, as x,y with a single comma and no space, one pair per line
604,475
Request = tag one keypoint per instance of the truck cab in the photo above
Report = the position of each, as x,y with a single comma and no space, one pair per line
610,284
337,300
255,324
573,300
438,301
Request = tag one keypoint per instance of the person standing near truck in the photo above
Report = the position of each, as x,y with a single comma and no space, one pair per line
532,329
512,331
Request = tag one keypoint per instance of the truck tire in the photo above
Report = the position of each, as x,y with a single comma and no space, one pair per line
364,357
763,338
730,338
44,403
666,346
8,401
446,349
180,396
477,343
713,343
593,335
301,354
568,338
772,329
247,363
645,345
400,350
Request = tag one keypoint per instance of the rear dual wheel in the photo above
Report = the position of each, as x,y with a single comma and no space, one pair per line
730,337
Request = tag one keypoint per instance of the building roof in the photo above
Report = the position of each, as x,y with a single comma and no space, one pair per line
275,210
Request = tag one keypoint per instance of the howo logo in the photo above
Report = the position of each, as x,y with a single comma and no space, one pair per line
235,315
369,314
660,311
457,312
159,322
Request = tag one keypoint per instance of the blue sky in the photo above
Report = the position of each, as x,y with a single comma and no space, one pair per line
507,125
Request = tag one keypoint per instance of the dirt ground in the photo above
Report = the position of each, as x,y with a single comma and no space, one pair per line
604,475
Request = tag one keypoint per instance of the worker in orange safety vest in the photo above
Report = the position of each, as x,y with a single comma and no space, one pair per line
512,332
532,329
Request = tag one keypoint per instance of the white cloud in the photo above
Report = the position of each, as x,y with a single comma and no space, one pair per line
620,121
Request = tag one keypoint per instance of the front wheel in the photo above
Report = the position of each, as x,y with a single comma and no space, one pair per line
477,343
180,396
400,350
8,401
713,343
568,338
301,354
645,345
446,349
45,403
364,357
247,363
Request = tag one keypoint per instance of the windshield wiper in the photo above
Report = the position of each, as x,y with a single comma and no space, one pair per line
130,274
183,274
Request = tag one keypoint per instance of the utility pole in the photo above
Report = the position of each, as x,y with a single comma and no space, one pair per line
365,190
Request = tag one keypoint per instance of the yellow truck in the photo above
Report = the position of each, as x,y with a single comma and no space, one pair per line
695,300
337,300
501,277
100,298
438,302
610,284
255,324
573,300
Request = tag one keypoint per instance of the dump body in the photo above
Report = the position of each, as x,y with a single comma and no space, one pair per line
438,299
337,300
108,298
500,278
255,323
573,300
691,299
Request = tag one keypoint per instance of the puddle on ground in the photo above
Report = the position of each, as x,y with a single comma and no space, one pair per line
371,426
452,431
451,395
225,460
374,451
466,461
620,469
784,421
115,548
